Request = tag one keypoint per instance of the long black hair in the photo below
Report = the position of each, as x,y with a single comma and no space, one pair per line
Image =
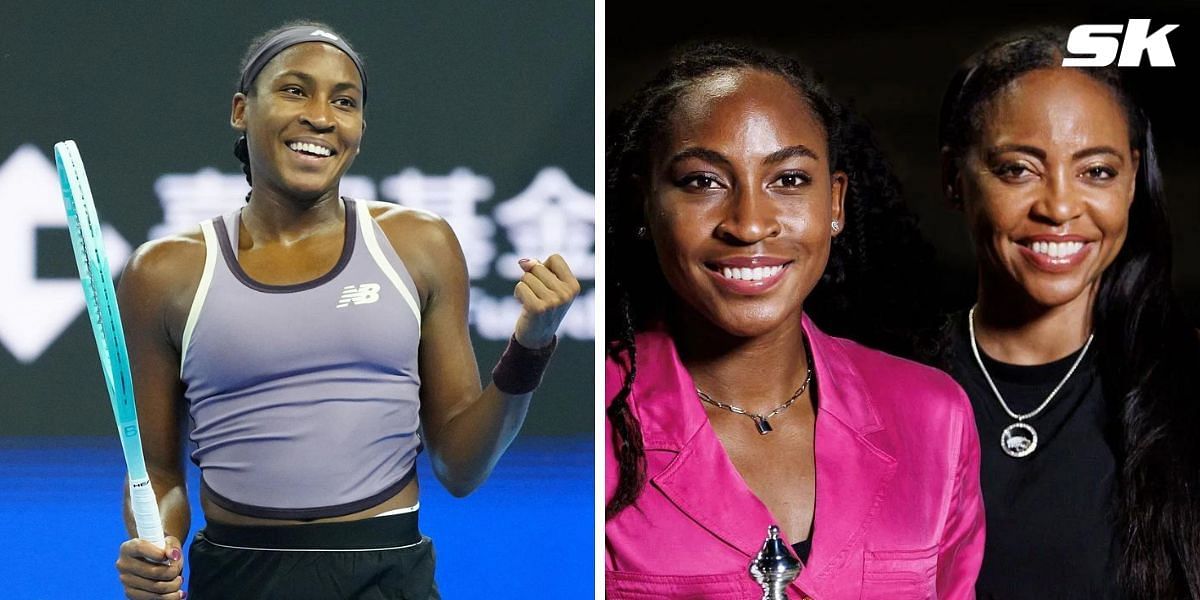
1149,353
878,252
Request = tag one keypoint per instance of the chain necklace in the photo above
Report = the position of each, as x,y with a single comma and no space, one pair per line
1020,439
760,421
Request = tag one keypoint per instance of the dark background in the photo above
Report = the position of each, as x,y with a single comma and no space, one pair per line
893,64
504,91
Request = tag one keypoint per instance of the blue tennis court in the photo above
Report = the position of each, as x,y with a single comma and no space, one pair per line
527,533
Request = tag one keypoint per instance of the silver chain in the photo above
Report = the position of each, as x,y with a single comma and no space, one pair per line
1046,402
757,417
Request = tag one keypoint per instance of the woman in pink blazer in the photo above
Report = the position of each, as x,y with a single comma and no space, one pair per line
730,178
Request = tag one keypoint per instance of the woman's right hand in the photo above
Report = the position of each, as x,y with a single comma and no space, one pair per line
150,573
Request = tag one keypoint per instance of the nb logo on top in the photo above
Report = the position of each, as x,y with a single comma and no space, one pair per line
366,293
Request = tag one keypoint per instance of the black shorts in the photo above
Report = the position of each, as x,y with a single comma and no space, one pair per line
381,558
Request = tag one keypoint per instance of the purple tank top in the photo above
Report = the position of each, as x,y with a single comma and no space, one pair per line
304,398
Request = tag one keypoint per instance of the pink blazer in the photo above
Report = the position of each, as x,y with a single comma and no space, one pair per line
898,508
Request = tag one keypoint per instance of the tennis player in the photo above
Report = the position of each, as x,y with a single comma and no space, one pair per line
314,344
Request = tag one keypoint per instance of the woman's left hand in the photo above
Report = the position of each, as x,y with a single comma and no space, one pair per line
546,292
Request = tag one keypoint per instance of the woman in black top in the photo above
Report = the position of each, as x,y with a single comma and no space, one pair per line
1080,363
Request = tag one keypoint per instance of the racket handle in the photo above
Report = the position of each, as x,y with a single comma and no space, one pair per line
144,505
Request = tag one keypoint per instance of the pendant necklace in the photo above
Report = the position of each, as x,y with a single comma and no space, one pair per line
760,421
1020,439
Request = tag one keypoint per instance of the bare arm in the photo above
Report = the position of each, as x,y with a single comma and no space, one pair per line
150,294
466,429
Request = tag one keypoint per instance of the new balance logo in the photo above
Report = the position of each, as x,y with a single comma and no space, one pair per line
325,34
359,294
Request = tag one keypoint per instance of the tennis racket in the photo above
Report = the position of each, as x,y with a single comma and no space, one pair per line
88,244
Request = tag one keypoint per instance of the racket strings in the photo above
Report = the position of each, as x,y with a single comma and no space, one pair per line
102,305
87,242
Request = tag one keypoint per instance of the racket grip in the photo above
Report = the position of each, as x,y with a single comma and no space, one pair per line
144,505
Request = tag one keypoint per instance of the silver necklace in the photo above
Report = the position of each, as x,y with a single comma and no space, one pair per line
1020,439
760,421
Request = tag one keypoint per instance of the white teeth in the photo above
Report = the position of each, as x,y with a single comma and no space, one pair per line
750,274
310,148
1057,249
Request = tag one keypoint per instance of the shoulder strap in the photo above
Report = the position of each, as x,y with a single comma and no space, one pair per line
212,254
367,227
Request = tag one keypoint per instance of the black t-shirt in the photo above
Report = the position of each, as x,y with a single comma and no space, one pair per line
803,548
1051,522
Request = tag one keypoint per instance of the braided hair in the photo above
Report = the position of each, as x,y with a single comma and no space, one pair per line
878,251
1148,352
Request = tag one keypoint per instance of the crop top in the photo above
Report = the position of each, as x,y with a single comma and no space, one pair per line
303,399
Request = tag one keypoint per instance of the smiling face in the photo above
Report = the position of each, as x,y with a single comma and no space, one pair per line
303,120
1048,185
740,201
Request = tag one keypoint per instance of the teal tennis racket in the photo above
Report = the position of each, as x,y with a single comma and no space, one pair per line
88,244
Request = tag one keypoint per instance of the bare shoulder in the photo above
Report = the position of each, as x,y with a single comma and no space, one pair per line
166,261
426,244
161,279
402,224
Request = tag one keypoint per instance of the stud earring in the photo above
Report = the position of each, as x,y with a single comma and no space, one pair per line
641,232
836,226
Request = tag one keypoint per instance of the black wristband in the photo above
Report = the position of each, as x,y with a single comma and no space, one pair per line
519,370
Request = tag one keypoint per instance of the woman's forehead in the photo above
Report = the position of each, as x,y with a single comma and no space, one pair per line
722,106
315,59
700,97
1056,102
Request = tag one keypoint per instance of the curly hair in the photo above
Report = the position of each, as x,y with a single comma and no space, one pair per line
1148,352
879,251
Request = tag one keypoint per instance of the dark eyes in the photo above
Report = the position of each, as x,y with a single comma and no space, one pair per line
1019,171
794,179
702,181
1011,171
297,91
1099,172
699,181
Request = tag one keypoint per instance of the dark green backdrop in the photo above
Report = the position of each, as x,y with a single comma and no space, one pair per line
505,90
